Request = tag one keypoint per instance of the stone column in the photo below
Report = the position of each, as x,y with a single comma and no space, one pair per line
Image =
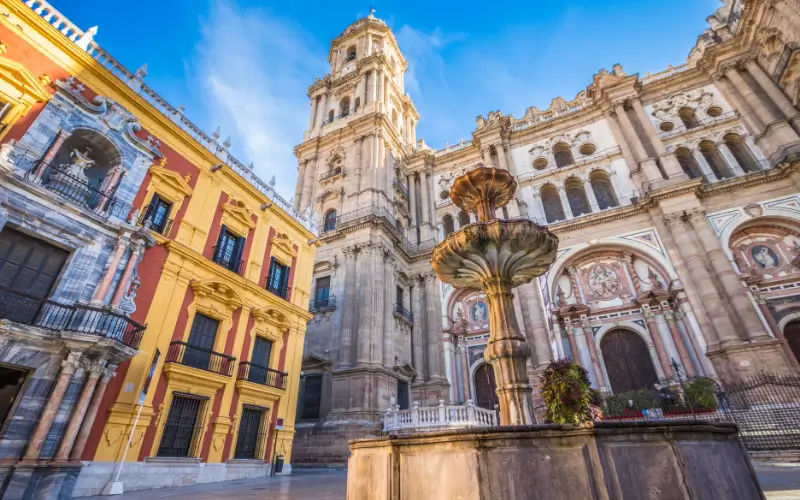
705,168
390,297
731,284
423,187
379,307
501,156
733,167
298,188
648,165
764,115
51,152
102,288
305,194
683,353
557,334
36,441
668,160
663,359
773,91
723,327
111,182
532,307
91,413
366,305
95,369
125,280
359,146
466,391
412,194
593,205
776,330
565,202
623,144
418,331
434,327
598,372
350,307
313,115
575,354
322,110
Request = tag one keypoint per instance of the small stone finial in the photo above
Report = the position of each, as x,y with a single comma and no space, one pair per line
87,38
251,166
45,79
227,142
142,71
216,133
272,181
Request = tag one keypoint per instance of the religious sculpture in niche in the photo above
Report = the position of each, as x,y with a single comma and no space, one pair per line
764,256
70,179
603,282
767,251
479,312
475,313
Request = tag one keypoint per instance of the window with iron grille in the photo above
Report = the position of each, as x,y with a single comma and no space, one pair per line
229,249
323,293
278,278
29,268
250,443
181,429
312,394
330,220
158,213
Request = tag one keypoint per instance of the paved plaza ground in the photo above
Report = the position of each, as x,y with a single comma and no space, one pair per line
780,481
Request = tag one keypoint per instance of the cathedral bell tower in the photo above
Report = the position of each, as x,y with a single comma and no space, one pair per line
376,338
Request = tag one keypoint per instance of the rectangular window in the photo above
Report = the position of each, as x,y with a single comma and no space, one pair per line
259,361
157,212
228,250
251,441
29,268
200,346
181,428
278,278
400,297
312,394
323,294
402,394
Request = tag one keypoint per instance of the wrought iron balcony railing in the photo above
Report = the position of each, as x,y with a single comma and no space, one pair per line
27,309
322,304
282,292
338,117
77,191
333,173
262,375
402,187
404,313
161,226
233,265
186,354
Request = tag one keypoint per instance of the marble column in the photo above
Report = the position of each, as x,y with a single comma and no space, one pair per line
731,284
127,274
366,303
434,327
775,94
36,441
668,160
593,205
683,353
102,288
575,354
655,336
598,372
466,391
418,331
350,307
91,413
559,342
723,327
95,369
51,152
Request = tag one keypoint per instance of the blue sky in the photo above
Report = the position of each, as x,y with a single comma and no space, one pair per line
245,65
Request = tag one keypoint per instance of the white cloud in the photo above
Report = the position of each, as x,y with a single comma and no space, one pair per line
253,69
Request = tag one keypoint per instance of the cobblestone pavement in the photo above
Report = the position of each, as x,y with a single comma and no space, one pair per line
780,481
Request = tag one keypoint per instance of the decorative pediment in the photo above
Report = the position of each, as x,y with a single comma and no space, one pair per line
406,370
283,248
217,293
270,323
237,216
170,184
314,360
337,153
21,78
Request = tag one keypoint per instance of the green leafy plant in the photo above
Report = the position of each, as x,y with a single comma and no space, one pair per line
566,393
700,393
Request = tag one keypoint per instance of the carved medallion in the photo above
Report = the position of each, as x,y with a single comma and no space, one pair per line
603,282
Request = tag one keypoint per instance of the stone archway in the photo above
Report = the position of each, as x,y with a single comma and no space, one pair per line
627,361
485,387
792,333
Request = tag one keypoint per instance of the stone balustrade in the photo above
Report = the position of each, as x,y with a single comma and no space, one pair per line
438,417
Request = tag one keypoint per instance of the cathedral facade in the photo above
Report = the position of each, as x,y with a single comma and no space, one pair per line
674,196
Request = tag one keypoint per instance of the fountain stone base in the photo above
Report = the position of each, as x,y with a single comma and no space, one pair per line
609,460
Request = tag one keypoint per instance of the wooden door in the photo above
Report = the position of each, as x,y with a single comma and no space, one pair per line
627,361
485,387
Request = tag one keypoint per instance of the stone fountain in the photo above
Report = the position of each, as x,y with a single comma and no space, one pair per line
690,459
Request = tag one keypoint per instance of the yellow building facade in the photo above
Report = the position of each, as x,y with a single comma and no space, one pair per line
222,287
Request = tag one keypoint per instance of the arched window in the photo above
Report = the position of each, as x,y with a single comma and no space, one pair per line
351,53
688,163
330,220
493,158
463,219
562,155
336,166
688,117
714,159
330,116
358,103
576,196
447,223
603,190
551,201
344,106
742,154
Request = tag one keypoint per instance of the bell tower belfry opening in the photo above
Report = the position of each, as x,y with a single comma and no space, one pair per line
376,339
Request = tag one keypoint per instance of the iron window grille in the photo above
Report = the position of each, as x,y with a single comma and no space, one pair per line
183,427
157,213
312,394
278,279
251,442
228,250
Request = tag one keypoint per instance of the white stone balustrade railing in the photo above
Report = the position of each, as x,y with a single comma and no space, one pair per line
438,417
136,82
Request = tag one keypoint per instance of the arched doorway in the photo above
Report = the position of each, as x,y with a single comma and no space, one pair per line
792,333
627,361
485,395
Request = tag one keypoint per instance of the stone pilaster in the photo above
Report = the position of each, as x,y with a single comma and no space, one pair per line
434,327
51,152
366,313
683,353
91,413
655,336
598,372
95,369
668,160
350,307
418,330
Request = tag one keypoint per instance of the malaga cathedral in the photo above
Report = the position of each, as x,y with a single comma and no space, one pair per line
674,196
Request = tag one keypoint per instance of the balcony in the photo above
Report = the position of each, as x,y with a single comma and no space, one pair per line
282,292
161,227
186,354
262,375
50,315
705,123
344,114
76,190
333,173
403,314
438,418
401,187
322,304
232,265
